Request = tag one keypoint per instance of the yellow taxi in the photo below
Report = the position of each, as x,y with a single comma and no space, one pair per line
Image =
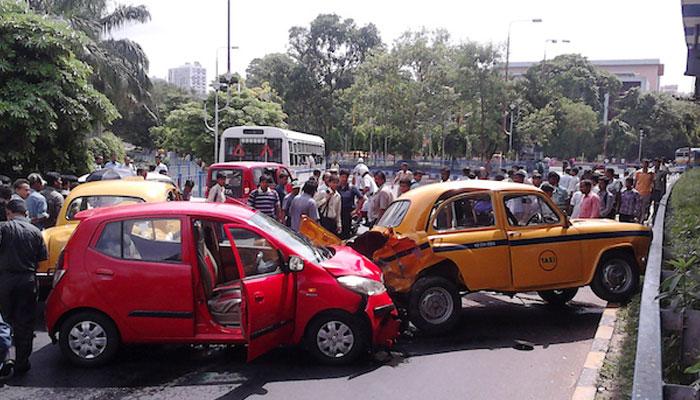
96,195
440,240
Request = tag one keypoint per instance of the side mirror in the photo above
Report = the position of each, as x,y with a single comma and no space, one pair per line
296,264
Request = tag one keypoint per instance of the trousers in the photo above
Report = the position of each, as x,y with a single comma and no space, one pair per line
18,307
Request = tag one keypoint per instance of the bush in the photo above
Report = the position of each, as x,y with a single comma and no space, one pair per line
105,145
683,226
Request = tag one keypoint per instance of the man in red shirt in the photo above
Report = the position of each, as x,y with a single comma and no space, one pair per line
590,204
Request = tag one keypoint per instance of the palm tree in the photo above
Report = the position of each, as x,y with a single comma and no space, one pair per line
120,66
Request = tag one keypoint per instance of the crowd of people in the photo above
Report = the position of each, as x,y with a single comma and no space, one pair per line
338,199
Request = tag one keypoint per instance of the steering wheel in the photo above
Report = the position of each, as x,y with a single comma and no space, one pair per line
535,218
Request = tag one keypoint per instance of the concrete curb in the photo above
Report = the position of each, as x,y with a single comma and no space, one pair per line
586,385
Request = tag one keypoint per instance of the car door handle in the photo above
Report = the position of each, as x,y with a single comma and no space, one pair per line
259,297
513,235
104,272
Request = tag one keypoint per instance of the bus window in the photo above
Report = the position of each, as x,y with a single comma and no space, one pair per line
258,149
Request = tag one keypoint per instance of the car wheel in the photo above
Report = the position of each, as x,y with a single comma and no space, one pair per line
558,297
617,278
434,305
336,338
88,339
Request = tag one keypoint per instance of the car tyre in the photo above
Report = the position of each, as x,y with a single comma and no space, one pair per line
558,297
88,339
336,338
434,305
616,279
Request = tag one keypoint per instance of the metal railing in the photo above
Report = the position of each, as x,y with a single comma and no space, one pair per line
648,367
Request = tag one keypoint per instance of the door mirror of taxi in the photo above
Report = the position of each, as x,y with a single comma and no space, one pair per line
296,264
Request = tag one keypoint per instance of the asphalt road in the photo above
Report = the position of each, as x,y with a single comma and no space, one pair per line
479,360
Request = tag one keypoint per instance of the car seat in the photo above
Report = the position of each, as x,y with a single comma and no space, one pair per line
224,302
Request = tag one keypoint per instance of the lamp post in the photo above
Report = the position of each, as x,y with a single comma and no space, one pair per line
510,25
217,86
641,139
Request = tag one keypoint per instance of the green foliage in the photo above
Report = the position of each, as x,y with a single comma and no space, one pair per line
105,145
683,225
120,66
574,134
538,127
184,131
320,66
681,289
47,104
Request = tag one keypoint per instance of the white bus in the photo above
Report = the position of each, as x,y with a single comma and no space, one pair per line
300,152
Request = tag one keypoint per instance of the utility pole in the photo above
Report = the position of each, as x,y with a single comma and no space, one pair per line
641,139
606,105
228,40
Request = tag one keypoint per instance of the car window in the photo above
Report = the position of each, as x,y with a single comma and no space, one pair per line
394,215
110,241
89,202
466,212
529,210
233,186
257,255
157,240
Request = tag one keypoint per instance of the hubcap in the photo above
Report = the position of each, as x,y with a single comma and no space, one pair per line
436,305
87,339
617,276
335,339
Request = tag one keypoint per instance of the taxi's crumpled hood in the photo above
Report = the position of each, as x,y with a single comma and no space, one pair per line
347,261
595,225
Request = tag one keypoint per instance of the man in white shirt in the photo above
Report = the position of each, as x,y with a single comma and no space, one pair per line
576,200
216,193
573,183
160,166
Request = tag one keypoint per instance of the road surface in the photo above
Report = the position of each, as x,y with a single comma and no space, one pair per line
479,360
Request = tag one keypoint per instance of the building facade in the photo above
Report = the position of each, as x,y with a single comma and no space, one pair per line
190,77
645,73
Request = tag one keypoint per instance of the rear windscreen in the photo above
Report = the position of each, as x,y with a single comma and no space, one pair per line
234,181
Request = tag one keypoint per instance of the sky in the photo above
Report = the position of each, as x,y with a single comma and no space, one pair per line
185,31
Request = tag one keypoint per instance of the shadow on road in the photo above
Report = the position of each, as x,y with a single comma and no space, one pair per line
488,322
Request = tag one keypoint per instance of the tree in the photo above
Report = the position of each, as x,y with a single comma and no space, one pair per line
577,124
321,64
667,123
571,76
47,103
537,128
483,93
184,130
120,66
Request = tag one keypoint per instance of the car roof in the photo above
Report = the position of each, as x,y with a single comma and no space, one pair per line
245,164
437,189
169,209
149,191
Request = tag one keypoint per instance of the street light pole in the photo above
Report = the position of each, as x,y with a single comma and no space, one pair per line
510,25
228,39
216,85
641,139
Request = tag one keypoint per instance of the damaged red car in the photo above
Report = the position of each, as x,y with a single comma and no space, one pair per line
212,273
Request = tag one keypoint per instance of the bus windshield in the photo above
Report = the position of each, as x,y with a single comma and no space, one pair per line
253,149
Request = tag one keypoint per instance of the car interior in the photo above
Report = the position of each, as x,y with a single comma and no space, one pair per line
218,272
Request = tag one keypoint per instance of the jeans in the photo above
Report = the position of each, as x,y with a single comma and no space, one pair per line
18,307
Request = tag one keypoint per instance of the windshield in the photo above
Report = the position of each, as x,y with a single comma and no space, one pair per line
393,216
253,149
301,245
90,202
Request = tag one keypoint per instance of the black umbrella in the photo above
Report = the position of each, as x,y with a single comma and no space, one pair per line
109,173
69,178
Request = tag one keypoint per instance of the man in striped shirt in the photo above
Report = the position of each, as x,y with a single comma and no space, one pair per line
265,199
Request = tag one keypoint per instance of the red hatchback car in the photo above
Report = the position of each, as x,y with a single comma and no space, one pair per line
242,177
184,272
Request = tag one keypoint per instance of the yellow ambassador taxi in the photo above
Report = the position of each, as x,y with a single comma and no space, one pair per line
97,194
440,240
